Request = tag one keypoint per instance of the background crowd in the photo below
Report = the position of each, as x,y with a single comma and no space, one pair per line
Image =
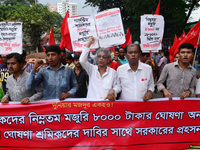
122,74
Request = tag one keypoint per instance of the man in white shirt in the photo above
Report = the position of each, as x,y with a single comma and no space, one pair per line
101,78
135,79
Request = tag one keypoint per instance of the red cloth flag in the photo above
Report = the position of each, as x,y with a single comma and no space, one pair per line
130,40
174,49
111,48
43,48
175,38
157,9
127,37
51,38
65,33
62,44
192,36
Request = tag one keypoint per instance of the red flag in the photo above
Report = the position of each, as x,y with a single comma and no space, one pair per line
130,40
192,36
174,49
157,9
65,33
112,48
51,38
175,38
43,48
127,36
62,44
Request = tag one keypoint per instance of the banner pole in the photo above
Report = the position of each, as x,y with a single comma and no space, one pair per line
196,51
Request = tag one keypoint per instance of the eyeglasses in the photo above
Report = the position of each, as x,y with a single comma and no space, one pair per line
103,56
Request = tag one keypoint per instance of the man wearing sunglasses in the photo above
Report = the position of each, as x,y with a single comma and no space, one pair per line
101,78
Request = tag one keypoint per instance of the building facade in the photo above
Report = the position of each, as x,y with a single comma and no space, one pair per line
65,6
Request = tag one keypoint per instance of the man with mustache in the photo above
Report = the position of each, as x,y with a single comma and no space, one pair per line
101,77
180,75
59,81
135,79
16,85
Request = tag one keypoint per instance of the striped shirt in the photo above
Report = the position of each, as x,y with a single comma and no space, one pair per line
178,80
28,67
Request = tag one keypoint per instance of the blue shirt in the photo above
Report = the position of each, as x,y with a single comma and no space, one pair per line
55,82
124,61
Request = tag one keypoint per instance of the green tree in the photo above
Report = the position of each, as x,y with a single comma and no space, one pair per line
9,6
56,20
192,5
174,12
36,19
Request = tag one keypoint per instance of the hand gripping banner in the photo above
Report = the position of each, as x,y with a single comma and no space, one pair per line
101,125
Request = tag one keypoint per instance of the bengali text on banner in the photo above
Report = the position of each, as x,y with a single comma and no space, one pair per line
101,125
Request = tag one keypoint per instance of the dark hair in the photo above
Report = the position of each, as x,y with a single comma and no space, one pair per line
116,49
23,53
17,56
63,50
166,53
186,45
76,57
176,54
53,48
69,56
132,45
143,54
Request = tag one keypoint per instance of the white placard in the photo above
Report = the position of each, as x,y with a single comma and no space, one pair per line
110,28
81,28
152,30
10,37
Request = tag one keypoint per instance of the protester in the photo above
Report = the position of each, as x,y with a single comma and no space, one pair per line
93,55
176,57
193,65
122,58
69,60
163,61
81,77
116,55
135,79
180,75
113,65
58,80
145,58
101,77
27,66
16,85
4,72
198,54
63,57
157,57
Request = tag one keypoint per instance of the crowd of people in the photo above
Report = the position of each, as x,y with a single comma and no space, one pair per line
125,74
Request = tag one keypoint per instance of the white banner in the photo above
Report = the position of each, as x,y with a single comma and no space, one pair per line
110,28
152,30
81,28
10,37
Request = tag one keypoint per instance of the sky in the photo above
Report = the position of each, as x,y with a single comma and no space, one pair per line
82,11
92,11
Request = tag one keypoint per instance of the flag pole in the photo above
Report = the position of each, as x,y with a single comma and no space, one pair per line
196,50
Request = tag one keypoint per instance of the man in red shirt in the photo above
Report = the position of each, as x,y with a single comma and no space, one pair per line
113,65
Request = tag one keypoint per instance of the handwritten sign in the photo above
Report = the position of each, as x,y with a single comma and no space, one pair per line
110,28
152,29
81,28
10,37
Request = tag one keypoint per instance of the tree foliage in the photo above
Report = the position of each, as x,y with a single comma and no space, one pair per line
36,18
174,12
